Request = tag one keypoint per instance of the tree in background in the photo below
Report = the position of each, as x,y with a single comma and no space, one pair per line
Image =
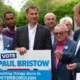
4,8
59,7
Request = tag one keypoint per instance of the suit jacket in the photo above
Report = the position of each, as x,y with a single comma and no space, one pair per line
42,38
76,35
61,73
8,43
76,59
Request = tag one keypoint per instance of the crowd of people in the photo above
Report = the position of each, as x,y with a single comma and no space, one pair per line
63,42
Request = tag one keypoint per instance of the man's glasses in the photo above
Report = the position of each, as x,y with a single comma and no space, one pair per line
60,33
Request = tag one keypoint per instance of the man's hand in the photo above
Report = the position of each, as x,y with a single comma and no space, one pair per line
22,50
59,54
71,66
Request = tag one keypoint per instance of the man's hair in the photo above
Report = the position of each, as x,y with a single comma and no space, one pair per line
67,18
31,7
77,7
49,14
8,12
60,25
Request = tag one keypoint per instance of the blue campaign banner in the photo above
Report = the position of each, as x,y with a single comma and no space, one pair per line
25,75
33,65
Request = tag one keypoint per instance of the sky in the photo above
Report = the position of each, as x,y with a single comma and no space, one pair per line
16,4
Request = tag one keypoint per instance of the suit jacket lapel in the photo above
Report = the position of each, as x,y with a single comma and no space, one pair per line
38,31
78,51
67,45
26,37
53,54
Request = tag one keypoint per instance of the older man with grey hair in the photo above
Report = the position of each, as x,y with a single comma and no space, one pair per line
63,49
50,21
69,23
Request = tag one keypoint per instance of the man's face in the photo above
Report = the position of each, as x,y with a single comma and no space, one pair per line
68,24
60,34
32,15
50,21
77,17
10,20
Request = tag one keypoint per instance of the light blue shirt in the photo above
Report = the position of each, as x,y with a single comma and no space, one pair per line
1,42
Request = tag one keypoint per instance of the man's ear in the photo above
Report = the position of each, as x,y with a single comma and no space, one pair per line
44,22
26,15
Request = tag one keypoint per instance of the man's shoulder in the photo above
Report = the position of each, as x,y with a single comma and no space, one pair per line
77,31
6,37
43,27
72,42
4,30
22,27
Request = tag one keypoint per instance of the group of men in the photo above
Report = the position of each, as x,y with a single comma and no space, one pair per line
65,54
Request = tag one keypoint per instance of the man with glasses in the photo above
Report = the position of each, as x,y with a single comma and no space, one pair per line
62,51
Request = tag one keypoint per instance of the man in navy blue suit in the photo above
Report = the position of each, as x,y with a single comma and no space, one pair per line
75,67
62,51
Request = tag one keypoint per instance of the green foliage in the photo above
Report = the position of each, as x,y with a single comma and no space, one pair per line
4,8
65,10
45,6
60,9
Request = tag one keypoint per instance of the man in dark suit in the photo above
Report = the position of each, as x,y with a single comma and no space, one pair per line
6,43
77,20
33,36
75,67
62,52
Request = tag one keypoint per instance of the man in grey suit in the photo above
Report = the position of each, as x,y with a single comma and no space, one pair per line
32,36
62,52
6,43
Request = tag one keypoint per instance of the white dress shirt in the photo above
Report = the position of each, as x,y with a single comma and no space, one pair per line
78,45
32,32
1,43
52,38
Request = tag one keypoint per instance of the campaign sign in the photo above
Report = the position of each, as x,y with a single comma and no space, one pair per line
33,65
78,76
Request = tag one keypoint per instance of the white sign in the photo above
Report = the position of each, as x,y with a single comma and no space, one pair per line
78,76
39,59
33,65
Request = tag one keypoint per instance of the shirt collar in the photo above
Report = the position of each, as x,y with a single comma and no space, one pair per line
62,43
52,33
33,27
9,29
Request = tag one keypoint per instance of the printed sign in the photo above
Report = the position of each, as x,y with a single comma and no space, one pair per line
78,76
33,65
